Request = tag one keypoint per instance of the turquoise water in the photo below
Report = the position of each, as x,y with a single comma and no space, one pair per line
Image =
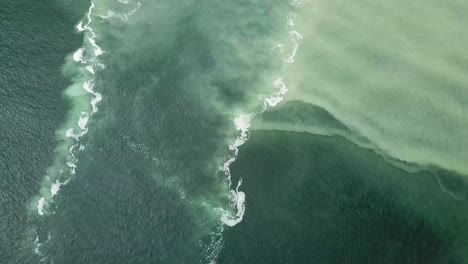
266,131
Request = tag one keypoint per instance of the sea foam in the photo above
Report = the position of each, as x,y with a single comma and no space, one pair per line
89,62
243,123
86,58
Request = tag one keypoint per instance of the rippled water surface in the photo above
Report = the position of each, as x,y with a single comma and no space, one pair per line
261,131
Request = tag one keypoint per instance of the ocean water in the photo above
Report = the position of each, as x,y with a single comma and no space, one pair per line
245,131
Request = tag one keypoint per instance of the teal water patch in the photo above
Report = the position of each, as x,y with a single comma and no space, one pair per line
162,99
34,39
178,81
207,76
323,199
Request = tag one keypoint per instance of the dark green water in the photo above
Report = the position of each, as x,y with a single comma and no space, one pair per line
124,131
322,199
34,39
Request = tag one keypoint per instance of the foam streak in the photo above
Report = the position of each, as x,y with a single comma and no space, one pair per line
244,121
90,63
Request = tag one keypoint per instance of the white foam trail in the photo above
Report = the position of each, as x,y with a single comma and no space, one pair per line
97,50
296,37
95,101
243,123
122,16
238,198
91,65
88,16
88,57
88,86
108,15
135,9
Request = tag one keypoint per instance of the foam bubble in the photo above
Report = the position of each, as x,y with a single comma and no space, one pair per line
90,69
275,98
72,166
95,101
83,120
79,27
273,101
41,206
55,188
69,133
88,86
280,86
78,55
243,122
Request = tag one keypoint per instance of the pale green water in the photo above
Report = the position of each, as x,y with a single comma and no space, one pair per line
395,72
